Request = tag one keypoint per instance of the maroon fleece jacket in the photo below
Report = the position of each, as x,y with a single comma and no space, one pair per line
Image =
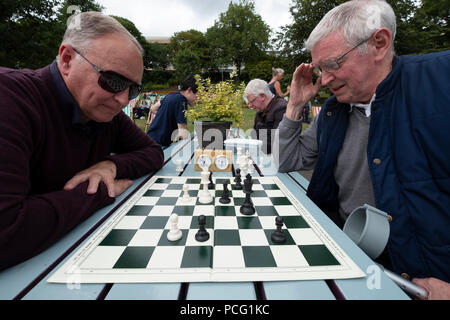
42,146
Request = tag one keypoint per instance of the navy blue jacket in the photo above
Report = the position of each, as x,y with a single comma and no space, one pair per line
409,161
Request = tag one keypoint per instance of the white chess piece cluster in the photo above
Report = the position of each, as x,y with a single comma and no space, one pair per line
244,162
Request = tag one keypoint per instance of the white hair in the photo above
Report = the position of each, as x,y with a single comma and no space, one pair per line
358,20
90,25
256,87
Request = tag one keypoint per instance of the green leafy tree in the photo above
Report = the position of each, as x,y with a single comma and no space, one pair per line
32,30
26,27
194,43
306,14
186,61
240,35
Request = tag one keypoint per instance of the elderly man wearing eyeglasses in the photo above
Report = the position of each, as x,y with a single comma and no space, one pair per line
66,147
381,139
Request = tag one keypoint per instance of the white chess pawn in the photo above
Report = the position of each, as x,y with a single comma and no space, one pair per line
179,163
185,197
174,233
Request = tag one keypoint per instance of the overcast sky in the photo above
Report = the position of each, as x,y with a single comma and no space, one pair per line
156,18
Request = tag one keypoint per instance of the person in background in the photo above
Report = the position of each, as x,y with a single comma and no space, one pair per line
67,149
380,139
274,84
170,119
270,107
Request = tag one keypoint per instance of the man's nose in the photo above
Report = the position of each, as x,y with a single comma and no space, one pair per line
327,77
122,97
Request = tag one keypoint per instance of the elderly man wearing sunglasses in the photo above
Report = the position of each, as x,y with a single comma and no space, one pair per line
67,149
380,139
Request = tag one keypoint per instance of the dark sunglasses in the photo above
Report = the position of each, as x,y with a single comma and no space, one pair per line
114,82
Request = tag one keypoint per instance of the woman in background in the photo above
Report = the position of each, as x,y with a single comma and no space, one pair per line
274,84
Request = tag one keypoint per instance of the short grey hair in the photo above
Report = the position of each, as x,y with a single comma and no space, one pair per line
256,87
358,20
90,25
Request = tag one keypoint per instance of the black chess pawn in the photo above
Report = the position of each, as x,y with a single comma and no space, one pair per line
278,235
237,179
202,235
225,198
247,207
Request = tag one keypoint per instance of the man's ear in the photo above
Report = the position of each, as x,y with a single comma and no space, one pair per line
66,58
381,42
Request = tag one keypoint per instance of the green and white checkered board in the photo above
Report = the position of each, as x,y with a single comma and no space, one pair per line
133,247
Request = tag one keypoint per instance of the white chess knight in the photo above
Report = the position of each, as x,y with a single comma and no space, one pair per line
204,196
174,233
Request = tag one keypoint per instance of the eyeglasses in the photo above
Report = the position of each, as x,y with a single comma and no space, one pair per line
253,100
114,82
334,64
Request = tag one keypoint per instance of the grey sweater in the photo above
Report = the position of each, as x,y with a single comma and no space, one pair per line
299,151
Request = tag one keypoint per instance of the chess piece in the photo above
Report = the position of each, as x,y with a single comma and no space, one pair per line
174,233
202,235
247,207
225,198
185,197
278,235
237,179
179,165
211,183
204,196
261,163
249,181
250,166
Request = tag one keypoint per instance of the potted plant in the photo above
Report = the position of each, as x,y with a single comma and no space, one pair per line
218,106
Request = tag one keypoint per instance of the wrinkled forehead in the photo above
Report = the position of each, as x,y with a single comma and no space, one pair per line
329,47
119,54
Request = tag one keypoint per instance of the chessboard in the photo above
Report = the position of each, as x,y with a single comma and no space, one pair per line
132,246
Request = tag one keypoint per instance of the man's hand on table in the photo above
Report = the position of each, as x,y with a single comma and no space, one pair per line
103,171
